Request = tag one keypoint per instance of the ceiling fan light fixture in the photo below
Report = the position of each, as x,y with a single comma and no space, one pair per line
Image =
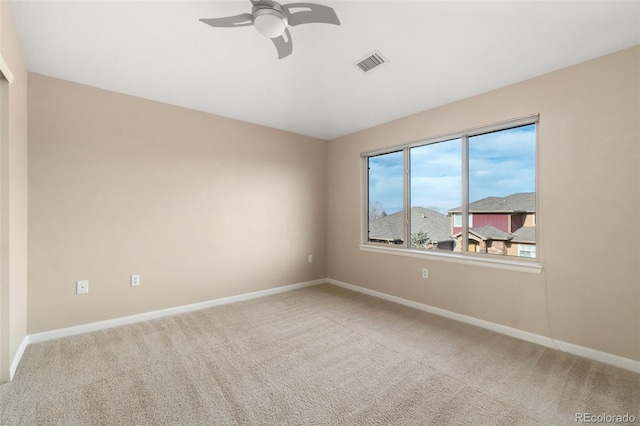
269,22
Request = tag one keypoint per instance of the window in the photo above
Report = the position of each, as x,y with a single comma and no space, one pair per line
385,198
457,219
471,192
526,251
435,179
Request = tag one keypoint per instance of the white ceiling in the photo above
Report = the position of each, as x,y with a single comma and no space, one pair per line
438,52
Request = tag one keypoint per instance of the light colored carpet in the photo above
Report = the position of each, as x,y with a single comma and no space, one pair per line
321,355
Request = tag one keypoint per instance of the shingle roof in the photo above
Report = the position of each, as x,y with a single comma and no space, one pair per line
387,228
436,225
518,202
488,232
525,235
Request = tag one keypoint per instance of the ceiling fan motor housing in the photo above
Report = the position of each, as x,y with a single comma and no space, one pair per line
270,20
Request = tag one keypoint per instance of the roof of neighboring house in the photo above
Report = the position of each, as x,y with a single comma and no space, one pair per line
488,232
387,228
518,202
436,225
525,235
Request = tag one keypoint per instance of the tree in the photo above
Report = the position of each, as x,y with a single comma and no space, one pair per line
376,210
420,239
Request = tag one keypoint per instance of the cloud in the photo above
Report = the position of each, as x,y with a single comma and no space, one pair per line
386,181
502,163
436,176
440,193
439,159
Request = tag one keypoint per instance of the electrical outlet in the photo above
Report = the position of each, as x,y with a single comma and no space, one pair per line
135,280
310,258
82,287
425,273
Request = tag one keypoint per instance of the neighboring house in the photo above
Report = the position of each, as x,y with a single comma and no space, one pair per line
499,225
436,226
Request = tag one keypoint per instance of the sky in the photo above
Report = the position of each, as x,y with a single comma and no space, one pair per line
500,163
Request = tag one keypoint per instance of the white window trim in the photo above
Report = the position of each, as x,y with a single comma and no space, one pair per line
532,267
5,70
527,265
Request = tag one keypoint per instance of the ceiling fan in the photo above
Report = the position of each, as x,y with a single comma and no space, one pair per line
272,20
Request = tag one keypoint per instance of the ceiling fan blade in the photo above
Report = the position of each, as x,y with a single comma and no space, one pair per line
283,44
231,21
310,13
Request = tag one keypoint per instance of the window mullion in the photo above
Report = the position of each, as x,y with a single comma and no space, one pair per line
465,194
366,200
407,198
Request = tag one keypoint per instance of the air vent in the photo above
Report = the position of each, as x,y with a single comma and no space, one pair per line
371,61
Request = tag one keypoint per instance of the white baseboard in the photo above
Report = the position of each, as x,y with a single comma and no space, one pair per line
607,358
116,322
18,357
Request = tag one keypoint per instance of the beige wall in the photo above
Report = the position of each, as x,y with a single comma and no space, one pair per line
202,207
13,197
588,158
529,220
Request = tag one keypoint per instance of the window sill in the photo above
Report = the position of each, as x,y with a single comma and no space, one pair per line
487,262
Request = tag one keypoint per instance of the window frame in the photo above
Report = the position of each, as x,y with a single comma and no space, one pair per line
528,248
531,265
457,220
